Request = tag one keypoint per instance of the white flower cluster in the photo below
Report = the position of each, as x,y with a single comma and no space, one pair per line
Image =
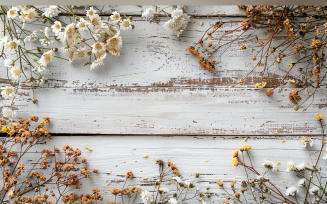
178,21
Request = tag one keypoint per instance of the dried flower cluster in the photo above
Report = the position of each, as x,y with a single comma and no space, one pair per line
304,30
87,37
22,178
262,190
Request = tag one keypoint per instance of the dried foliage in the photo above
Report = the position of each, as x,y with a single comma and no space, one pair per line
303,30
22,177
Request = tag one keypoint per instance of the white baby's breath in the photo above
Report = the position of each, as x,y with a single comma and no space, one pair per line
291,191
305,141
12,45
56,27
9,62
91,12
82,24
52,11
269,165
290,166
126,24
46,58
28,14
146,197
148,13
301,182
8,112
97,63
95,22
115,16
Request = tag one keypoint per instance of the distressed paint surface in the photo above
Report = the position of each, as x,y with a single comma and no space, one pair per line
210,156
157,87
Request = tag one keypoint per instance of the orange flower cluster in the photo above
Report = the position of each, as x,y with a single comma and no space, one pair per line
174,168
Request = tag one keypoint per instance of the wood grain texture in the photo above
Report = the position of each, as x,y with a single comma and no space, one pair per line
210,156
157,87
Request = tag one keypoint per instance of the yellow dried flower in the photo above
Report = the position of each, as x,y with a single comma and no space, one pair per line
235,161
319,116
260,85
145,156
220,183
4,129
245,148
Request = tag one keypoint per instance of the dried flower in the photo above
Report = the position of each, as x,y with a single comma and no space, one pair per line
305,141
292,191
319,116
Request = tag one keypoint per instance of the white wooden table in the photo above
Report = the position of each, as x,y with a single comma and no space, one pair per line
155,99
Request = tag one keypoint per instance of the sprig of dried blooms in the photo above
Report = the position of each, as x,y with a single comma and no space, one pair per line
161,194
305,29
262,190
86,37
22,178
178,19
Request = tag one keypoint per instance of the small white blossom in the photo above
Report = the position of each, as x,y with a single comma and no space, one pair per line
146,197
8,113
115,16
4,40
290,166
178,22
98,47
95,22
187,183
172,201
82,24
69,36
46,58
148,13
91,12
28,14
80,53
292,191
56,27
12,45
47,31
46,42
15,72
97,63
66,49
31,37
9,62
41,80
52,11
13,12
39,68
313,190
301,182
305,141
269,165
126,24
179,180
8,92
300,167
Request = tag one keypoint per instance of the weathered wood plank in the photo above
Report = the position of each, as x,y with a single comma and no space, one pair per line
207,155
157,87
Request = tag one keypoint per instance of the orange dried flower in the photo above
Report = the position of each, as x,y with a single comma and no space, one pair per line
269,92
294,96
192,50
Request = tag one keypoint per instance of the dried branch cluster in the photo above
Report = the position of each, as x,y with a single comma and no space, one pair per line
306,33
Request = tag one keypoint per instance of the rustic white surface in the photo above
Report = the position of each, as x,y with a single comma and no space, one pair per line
208,155
157,87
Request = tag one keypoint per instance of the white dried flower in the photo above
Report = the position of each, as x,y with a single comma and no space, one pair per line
28,14
46,42
97,63
39,68
41,80
80,53
82,24
178,22
146,197
8,113
46,58
126,24
172,201
12,45
31,37
114,44
91,12
292,191
9,62
269,165
66,49
47,31
305,141
179,180
290,166
115,16
52,11
15,72
313,190
13,12
301,182
56,27
95,22
69,36
8,92
148,13
4,40
98,47
300,167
